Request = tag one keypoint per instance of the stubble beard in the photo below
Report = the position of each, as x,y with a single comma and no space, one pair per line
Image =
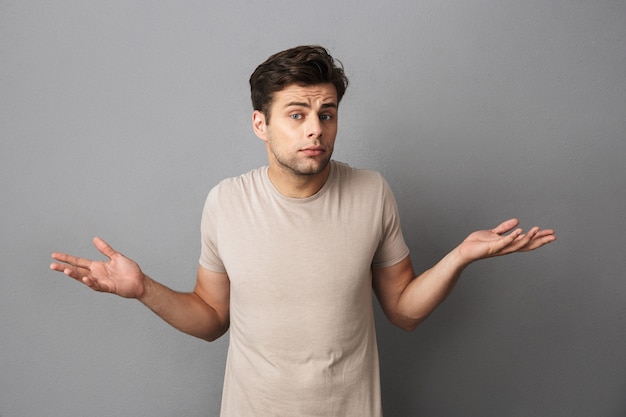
311,166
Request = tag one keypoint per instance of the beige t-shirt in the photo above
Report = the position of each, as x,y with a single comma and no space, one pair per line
302,339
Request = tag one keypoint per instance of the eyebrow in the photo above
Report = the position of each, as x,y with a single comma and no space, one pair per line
307,105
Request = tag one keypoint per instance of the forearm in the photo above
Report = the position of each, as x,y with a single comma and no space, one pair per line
186,312
426,291
407,300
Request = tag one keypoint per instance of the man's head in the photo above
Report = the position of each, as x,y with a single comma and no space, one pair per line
302,65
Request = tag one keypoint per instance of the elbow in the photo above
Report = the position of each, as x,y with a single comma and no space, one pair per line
409,327
211,337
407,324
214,334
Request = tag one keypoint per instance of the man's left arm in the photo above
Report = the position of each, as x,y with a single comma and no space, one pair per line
408,300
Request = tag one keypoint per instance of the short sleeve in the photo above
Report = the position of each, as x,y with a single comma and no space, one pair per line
392,248
209,253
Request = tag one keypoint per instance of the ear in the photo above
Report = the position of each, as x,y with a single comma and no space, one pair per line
259,126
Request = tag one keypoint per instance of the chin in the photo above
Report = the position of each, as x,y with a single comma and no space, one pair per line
306,167
314,170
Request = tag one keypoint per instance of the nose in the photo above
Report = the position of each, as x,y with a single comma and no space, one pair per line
314,127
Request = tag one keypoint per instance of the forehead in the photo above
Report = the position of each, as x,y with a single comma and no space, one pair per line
310,94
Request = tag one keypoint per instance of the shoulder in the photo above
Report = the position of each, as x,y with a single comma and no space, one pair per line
358,178
242,183
234,191
347,172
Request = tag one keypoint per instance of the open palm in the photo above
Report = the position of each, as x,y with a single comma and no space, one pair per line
495,242
119,275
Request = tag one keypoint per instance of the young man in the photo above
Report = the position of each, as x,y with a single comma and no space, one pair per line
290,253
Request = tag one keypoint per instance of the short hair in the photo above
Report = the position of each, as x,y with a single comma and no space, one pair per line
303,65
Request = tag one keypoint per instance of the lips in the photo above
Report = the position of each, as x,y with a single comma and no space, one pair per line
313,150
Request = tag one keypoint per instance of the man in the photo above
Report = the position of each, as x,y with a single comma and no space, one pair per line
290,253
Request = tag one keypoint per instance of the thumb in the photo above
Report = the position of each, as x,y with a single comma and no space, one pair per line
104,247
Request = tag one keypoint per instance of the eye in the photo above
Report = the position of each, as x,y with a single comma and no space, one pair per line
296,116
325,117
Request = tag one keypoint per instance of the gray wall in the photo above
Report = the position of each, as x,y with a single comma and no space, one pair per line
116,118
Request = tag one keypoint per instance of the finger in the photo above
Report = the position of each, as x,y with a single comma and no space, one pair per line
71,271
95,284
539,240
522,241
57,267
545,232
505,226
501,245
72,260
104,247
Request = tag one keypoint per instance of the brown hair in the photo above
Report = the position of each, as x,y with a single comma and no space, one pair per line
303,65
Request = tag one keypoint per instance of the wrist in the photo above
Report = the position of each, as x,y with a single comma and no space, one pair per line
460,260
146,289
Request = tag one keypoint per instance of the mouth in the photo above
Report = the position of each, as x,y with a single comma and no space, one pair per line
313,151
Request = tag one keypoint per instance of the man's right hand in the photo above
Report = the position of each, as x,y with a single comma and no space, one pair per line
119,275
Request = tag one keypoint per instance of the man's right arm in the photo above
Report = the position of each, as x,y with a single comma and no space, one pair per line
203,313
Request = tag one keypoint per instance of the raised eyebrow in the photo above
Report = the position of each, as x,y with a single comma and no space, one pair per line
307,105
297,104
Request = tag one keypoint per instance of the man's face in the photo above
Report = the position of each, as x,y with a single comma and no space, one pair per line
301,133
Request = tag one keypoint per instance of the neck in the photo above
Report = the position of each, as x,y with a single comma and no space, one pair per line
294,185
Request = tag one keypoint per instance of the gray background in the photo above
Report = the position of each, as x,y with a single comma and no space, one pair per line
117,117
